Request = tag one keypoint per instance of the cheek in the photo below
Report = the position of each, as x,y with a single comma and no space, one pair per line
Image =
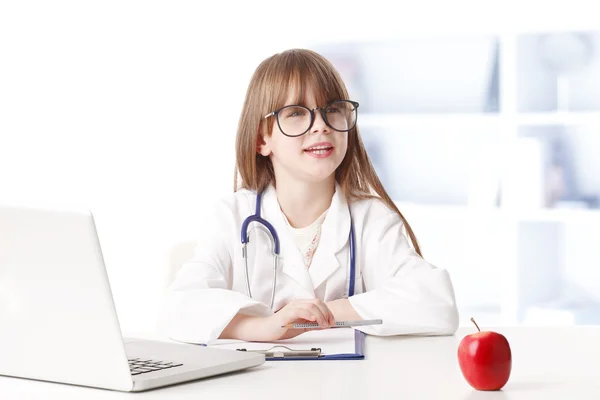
343,145
282,145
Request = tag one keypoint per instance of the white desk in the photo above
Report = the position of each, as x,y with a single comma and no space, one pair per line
548,363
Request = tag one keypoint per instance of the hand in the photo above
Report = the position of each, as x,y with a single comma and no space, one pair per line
298,311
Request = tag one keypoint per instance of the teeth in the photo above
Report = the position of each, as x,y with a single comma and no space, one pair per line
319,148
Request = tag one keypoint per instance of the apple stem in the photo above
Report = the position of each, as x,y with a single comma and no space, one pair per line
473,321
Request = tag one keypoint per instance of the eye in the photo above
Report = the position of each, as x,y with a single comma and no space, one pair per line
333,110
294,113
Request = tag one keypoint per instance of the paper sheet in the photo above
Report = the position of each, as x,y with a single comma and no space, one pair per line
330,341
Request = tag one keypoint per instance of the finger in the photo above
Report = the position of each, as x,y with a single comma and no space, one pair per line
316,311
304,314
327,314
331,316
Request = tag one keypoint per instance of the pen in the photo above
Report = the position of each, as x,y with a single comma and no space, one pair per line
339,324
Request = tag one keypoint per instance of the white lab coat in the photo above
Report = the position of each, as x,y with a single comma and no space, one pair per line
393,282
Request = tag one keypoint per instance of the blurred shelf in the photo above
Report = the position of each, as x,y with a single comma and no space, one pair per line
482,119
584,313
484,316
443,120
445,211
560,118
464,212
586,216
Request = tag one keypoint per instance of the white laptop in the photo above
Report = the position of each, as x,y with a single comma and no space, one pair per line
58,320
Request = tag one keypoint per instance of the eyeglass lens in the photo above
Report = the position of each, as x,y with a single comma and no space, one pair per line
296,120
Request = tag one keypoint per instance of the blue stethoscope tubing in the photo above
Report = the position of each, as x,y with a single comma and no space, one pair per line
266,225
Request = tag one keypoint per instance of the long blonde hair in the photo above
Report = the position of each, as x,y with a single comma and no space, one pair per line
268,91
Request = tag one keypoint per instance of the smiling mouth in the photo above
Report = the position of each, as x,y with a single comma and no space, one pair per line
319,150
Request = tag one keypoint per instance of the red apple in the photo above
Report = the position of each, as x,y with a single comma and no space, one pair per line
485,359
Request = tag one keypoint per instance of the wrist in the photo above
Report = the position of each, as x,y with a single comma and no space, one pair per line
245,327
342,310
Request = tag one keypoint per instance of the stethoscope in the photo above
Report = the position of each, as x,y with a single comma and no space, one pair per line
270,230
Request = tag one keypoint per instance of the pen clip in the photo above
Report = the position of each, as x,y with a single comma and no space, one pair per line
272,353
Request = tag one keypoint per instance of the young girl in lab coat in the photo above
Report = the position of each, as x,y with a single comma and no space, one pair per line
315,178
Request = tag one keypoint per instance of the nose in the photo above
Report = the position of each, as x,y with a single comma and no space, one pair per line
319,124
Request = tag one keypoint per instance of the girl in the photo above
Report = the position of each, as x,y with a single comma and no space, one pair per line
300,154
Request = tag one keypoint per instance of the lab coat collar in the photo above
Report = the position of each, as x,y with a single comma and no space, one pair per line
334,236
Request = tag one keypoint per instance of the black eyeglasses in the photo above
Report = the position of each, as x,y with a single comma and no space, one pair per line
295,120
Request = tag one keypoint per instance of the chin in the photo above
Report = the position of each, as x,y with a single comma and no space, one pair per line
319,177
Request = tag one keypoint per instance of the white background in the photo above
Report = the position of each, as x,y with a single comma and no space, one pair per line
131,107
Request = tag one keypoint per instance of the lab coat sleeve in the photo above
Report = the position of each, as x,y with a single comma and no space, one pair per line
200,301
410,295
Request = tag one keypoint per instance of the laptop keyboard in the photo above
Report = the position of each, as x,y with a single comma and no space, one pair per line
139,366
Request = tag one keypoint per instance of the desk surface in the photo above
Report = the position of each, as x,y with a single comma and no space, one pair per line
548,363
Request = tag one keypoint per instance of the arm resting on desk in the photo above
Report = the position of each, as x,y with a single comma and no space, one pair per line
408,293
343,311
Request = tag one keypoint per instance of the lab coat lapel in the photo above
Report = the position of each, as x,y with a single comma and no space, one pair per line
290,257
334,236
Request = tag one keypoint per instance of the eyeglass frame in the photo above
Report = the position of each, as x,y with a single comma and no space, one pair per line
312,116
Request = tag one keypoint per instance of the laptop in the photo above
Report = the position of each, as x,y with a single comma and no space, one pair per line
58,321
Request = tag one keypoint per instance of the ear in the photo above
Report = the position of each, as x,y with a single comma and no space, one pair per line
262,145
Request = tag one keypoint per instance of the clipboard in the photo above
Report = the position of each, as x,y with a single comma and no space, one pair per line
327,344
